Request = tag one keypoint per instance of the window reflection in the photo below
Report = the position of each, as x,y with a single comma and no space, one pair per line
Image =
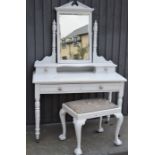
74,37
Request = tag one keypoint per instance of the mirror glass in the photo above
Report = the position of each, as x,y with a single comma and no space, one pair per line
74,37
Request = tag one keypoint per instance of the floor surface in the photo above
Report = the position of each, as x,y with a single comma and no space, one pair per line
92,143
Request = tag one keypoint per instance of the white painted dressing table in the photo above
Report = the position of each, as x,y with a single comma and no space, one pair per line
62,83
51,77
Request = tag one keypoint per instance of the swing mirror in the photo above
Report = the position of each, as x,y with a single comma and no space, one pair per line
74,33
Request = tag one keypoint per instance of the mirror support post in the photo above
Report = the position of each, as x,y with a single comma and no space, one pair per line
96,58
95,40
54,42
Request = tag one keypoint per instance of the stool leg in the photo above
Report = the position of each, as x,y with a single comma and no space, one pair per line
100,129
78,130
119,117
63,122
108,118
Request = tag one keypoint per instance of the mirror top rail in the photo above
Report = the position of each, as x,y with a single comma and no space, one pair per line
74,8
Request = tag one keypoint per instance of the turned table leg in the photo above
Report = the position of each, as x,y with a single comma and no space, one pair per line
37,113
110,99
37,118
78,130
63,122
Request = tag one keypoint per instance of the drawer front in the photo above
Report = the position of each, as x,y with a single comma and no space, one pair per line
80,88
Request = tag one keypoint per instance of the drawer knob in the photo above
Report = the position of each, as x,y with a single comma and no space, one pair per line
45,70
100,87
59,89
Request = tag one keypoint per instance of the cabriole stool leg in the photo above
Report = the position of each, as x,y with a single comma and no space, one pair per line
119,117
78,130
63,122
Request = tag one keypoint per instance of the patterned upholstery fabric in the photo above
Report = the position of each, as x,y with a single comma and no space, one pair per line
90,105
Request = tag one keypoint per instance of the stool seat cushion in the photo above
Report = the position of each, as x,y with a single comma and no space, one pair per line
90,105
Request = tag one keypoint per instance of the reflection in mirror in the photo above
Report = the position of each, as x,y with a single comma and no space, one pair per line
74,44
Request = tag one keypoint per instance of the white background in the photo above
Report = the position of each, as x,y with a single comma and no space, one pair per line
13,77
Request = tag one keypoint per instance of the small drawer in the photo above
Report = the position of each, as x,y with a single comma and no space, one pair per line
79,88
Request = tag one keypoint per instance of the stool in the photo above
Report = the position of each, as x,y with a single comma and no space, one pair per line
81,110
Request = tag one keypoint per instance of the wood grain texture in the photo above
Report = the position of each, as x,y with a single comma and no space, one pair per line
112,18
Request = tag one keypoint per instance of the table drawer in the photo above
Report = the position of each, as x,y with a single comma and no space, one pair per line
79,88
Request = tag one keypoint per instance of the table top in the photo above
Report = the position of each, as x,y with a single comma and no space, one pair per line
77,78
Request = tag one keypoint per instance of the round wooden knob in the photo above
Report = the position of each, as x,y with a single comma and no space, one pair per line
100,87
59,89
105,69
45,70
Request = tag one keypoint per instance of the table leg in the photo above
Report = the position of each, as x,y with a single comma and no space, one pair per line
37,116
110,99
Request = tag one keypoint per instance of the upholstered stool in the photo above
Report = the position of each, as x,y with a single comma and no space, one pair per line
81,110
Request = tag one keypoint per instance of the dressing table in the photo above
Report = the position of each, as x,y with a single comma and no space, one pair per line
74,66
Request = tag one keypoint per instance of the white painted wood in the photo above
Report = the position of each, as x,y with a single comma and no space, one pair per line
48,65
37,112
79,88
77,78
80,118
96,58
92,114
119,117
80,85
97,76
78,123
110,99
81,9
51,67
100,129
69,7
108,117
120,96
110,96
54,42
95,41
63,122
46,62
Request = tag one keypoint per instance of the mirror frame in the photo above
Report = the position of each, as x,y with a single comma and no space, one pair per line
81,9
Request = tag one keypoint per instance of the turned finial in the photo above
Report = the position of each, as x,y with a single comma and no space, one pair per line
95,26
54,28
54,25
